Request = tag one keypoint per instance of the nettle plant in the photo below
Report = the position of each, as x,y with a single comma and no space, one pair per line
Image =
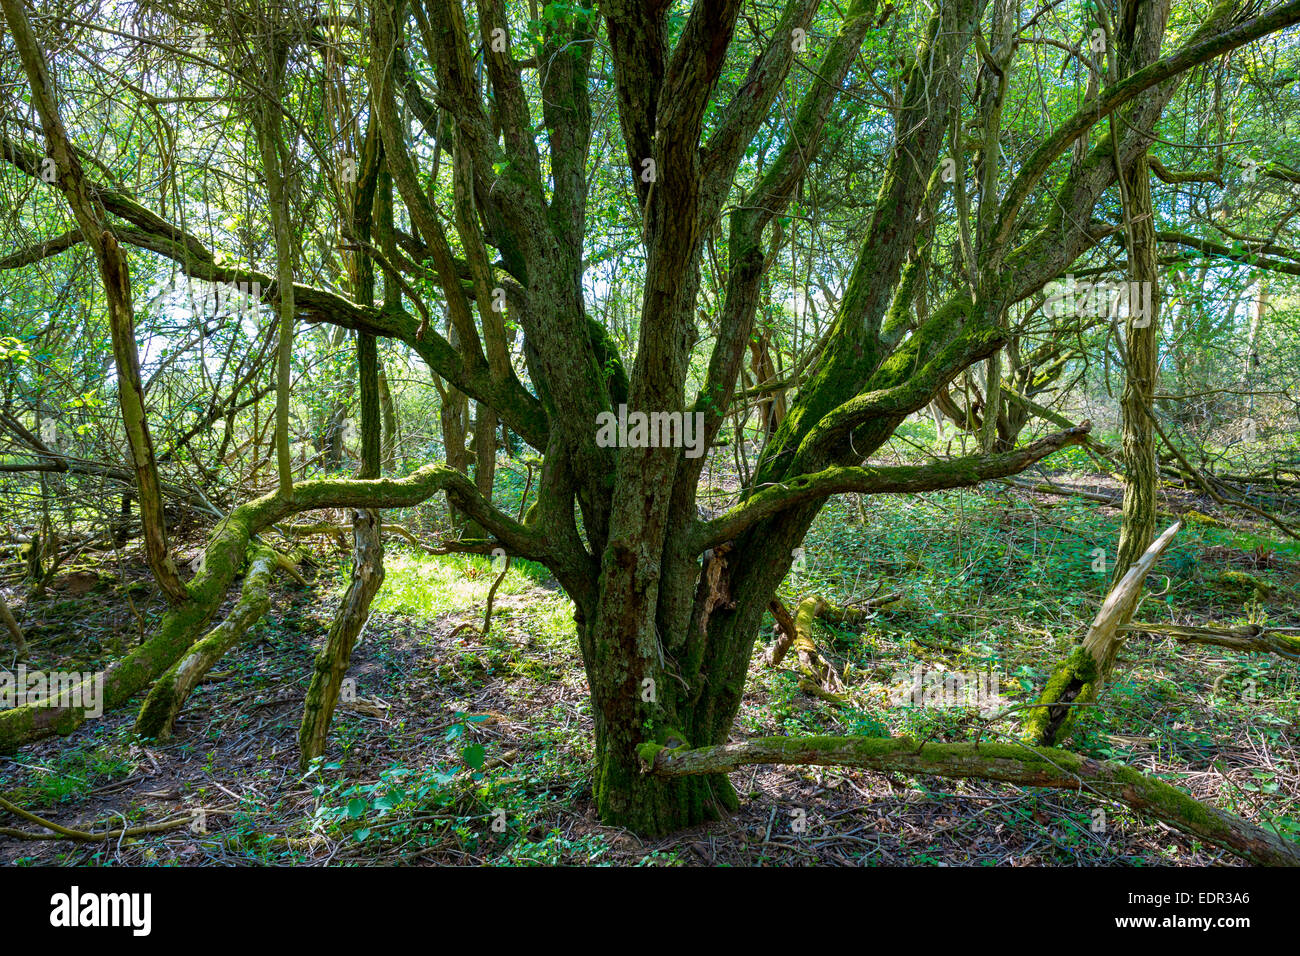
487,162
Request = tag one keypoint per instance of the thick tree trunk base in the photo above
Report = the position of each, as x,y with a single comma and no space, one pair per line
652,806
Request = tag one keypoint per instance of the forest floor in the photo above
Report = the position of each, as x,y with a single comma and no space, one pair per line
450,733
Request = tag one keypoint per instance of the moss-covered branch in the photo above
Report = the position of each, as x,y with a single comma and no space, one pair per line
957,473
1210,41
222,558
1010,763
173,688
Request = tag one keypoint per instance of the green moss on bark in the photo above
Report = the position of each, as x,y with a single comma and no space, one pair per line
1072,685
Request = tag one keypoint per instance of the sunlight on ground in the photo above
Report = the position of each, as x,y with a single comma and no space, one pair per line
428,586
432,585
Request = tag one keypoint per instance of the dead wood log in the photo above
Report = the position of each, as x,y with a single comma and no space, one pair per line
1011,763
1076,681
817,675
60,832
1250,639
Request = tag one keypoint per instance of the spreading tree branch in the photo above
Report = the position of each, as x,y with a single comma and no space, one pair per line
957,473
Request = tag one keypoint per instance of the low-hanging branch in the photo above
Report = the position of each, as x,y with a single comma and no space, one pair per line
183,624
956,473
1009,763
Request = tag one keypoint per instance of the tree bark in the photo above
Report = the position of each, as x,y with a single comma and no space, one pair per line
367,575
11,625
1139,20
1077,681
266,120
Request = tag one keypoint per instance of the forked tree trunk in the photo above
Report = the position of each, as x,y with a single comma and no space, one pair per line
683,687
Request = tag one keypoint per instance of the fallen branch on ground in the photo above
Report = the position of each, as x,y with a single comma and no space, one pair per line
58,832
1252,639
817,675
1009,763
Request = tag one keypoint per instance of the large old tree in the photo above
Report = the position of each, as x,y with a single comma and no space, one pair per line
468,138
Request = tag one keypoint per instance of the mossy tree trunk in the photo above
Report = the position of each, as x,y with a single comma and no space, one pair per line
170,691
269,57
335,655
1142,331
1077,681
667,640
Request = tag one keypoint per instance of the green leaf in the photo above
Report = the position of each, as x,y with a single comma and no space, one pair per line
473,755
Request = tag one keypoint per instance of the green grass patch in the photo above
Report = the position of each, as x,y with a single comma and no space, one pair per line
429,585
